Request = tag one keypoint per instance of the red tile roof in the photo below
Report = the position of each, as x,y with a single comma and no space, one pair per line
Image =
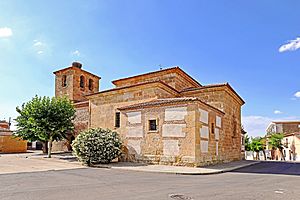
176,68
76,68
168,101
214,85
130,86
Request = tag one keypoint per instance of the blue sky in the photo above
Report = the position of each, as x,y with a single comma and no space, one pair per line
239,42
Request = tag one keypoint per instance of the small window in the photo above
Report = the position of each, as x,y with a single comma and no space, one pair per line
234,129
117,120
152,125
91,84
82,81
212,128
64,81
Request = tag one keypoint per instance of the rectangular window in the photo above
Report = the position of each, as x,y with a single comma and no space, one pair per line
152,125
117,120
212,128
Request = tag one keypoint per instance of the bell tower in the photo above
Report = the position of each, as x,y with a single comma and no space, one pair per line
75,83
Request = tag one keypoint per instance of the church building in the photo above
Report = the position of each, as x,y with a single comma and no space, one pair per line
163,117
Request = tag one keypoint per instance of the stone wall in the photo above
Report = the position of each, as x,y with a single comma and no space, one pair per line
180,139
72,88
225,100
104,105
209,125
172,142
81,123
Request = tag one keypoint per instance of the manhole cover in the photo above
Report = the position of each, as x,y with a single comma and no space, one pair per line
180,197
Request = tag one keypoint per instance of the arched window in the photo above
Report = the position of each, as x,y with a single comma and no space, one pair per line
82,81
64,81
91,84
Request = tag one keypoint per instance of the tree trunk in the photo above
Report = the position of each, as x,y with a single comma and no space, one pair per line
282,156
45,147
49,148
265,156
257,155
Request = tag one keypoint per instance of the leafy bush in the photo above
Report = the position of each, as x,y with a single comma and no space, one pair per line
96,146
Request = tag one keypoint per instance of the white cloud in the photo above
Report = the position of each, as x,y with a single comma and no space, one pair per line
5,32
75,53
292,45
37,43
257,125
277,112
40,47
297,94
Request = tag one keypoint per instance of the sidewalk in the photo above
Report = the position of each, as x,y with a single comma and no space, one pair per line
215,169
30,162
36,161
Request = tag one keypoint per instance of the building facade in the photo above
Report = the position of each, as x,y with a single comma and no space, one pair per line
291,140
8,143
163,117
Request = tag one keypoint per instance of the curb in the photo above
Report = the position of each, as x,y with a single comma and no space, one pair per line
239,167
178,173
217,171
101,166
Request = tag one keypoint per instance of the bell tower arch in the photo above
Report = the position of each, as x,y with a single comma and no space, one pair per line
75,83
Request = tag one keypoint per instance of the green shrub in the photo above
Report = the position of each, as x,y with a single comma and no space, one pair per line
96,146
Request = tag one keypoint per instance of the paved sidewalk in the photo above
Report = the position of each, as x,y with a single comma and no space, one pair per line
216,169
36,161
28,162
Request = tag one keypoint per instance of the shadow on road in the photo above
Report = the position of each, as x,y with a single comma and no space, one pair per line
272,167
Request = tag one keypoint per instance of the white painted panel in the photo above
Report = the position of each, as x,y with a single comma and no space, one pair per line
204,146
134,117
217,148
135,131
217,133
170,148
218,121
203,116
175,113
173,130
204,132
134,146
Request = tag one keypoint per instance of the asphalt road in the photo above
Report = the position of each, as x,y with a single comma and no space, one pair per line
112,184
271,167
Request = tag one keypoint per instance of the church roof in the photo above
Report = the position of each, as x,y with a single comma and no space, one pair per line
157,73
212,86
167,101
76,68
135,85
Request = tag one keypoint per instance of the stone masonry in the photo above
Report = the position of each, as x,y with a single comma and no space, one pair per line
163,117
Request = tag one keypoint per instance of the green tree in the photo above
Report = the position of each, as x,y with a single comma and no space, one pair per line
247,143
263,140
275,141
257,146
45,119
